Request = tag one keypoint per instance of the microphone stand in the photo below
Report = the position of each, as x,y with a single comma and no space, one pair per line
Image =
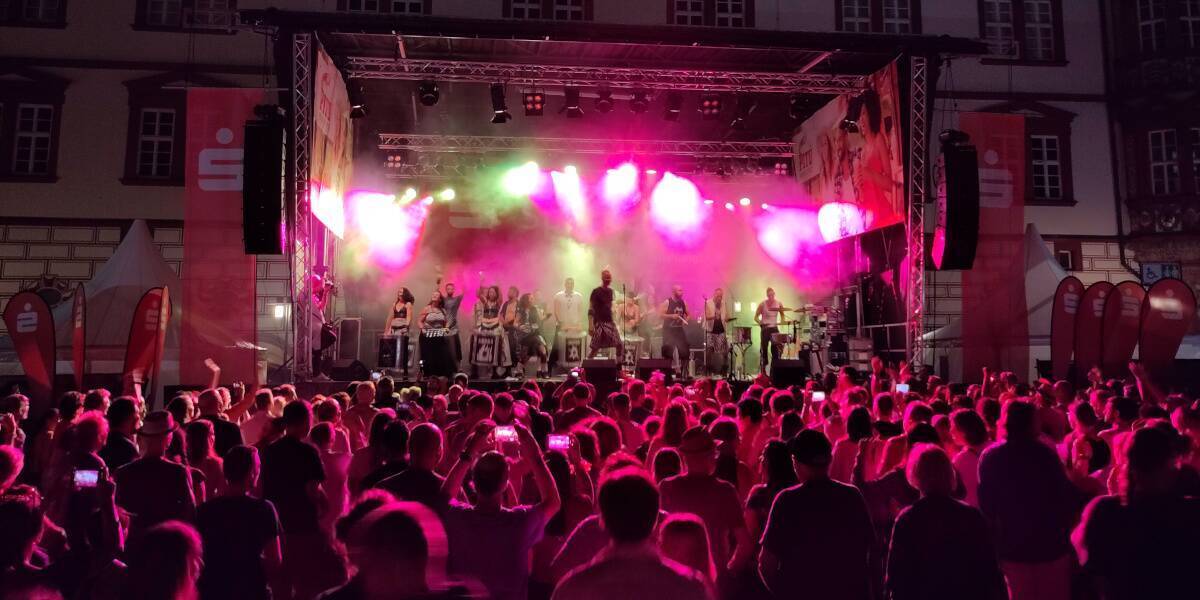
624,329
704,331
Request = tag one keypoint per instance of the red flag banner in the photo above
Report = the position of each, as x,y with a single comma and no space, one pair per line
147,332
219,304
1167,314
1089,327
995,316
1122,323
31,327
79,335
1062,325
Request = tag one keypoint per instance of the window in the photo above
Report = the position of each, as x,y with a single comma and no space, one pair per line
1191,23
156,143
689,12
40,11
897,16
731,13
568,10
856,16
1164,163
32,139
371,6
36,13
408,7
162,13
1023,30
713,13
215,14
1066,260
1046,166
526,9
1152,24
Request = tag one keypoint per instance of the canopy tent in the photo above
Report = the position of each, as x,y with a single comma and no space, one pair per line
1042,274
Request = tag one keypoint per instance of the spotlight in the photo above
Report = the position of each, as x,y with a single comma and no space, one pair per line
446,195
744,201
710,106
850,123
410,194
674,106
571,105
535,103
499,107
745,105
522,180
604,101
729,206
428,92
640,101
357,97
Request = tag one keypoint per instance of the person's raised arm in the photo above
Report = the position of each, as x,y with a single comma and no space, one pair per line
1146,387
472,448
215,369
241,402
547,491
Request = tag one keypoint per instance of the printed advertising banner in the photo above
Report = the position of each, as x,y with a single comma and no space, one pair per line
31,327
79,335
1089,324
147,333
1122,323
329,170
1167,315
1062,325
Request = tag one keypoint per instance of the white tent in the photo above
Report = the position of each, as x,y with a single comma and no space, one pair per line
1042,274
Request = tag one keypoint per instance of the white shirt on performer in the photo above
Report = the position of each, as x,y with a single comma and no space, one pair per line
568,308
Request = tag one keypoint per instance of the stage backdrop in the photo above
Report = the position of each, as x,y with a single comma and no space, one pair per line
219,308
994,314
329,171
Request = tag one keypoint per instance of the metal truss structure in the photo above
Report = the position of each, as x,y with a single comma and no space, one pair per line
595,76
479,144
300,216
918,172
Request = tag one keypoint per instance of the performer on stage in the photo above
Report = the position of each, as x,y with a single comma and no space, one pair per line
631,315
529,328
323,336
508,319
487,322
769,316
716,315
436,357
675,316
453,302
601,327
567,310
399,321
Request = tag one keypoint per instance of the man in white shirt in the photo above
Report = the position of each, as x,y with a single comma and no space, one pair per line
568,315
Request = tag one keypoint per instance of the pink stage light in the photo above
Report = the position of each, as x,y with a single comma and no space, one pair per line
677,210
327,207
568,190
391,231
619,187
786,234
838,220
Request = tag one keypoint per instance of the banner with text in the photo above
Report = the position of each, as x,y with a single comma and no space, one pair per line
147,333
1122,323
219,304
1062,325
1089,327
1167,315
329,170
995,316
31,327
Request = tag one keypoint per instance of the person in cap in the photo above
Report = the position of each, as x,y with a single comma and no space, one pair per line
818,533
153,489
700,492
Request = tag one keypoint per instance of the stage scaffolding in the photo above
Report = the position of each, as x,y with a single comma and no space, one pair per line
299,244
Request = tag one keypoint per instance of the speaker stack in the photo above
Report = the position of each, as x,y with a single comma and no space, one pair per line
957,232
262,182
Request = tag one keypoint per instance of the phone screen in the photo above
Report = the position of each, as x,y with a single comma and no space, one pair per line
818,396
375,376
902,388
86,478
559,442
505,434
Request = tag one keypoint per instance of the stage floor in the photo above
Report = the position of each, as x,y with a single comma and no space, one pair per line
492,386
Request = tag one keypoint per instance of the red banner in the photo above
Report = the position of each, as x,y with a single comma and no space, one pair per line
995,319
79,335
219,304
1122,323
1167,314
1062,325
1089,327
31,327
147,333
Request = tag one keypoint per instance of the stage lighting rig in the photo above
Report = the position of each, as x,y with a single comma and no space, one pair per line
571,104
428,92
710,106
500,112
640,101
604,101
535,103
357,98
674,106
745,105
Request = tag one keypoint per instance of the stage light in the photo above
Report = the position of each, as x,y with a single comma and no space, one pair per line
571,104
853,109
640,101
446,195
390,231
783,167
708,201
280,311
744,201
676,209
428,92
710,106
651,171
522,180
427,201
745,105
357,97
837,220
604,101
729,206
409,195
753,306
568,190
767,207
674,106
737,307
535,103
500,112
619,187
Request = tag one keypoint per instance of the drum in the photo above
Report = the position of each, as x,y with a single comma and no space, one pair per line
435,333
633,350
389,351
485,349
573,349
742,335
781,338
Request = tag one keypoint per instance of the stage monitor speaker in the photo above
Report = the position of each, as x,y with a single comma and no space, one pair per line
647,366
345,369
957,232
349,342
602,373
788,371
262,184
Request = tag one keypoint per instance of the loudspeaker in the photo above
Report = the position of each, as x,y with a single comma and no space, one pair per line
788,371
602,373
345,369
647,366
262,185
349,342
957,232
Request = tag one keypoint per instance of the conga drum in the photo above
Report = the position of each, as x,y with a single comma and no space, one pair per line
633,351
574,346
485,349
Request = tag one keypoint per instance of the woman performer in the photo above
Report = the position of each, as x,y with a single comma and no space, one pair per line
529,327
487,322
436,360
399,321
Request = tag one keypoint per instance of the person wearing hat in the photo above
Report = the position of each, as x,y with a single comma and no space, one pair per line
700,492
823,557
153,489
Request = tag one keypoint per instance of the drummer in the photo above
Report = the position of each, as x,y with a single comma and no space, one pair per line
716,315
631,320
436,358
769,316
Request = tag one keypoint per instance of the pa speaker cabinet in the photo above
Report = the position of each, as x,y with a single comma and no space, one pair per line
957,232
262,187
647,366
602,373
345,369
349,342
788,371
